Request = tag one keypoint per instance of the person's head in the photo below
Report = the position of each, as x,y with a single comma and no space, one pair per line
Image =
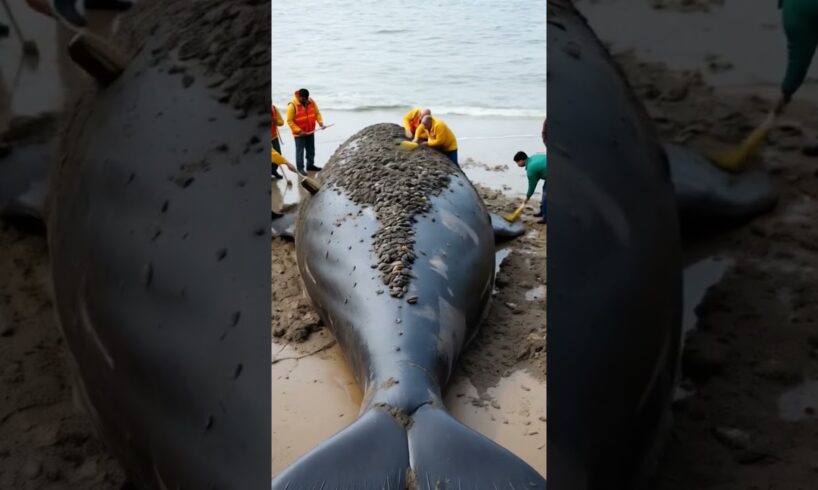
425,112
520,157
426,121
303,95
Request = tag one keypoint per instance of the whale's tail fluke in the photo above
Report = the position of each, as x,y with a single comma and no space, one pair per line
369,454
427,450
448,454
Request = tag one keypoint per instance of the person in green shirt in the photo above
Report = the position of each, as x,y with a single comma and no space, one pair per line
535,167
800,20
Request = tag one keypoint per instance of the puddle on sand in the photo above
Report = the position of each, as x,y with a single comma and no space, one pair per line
799,403
284,195
316,396
698,278
535,294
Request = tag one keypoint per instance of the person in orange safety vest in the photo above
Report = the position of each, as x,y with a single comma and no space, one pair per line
302,115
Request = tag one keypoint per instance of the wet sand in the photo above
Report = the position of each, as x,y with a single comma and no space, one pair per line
746,410
46,441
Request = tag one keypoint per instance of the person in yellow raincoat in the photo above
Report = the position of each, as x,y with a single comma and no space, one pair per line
411,120
277,121
278,159
438,136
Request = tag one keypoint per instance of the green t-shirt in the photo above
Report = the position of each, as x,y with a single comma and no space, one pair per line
535,169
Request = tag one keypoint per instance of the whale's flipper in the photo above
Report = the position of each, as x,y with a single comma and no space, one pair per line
24,181
283,225
376,452
709,196
503,230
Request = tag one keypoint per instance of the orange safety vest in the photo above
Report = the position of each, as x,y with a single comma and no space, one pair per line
305,116
414,123
274,132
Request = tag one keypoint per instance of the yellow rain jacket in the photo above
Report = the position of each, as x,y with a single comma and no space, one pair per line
277,121
277,158
440,137
302,119
411,120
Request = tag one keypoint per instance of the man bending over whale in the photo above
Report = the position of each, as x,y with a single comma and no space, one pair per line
278,159
412,119
438,136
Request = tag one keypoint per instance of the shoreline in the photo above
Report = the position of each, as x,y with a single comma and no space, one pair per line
490,142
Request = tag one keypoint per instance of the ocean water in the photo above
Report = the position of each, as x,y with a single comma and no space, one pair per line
465,57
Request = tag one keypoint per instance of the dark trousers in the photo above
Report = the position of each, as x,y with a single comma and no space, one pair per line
542,204
453,157
276,147
302,144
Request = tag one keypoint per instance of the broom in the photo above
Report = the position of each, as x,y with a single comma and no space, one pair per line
734,159
311,185
512,217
